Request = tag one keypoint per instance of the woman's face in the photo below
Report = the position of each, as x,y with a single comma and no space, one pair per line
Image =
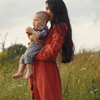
50,13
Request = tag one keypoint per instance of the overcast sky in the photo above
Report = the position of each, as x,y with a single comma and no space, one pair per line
16,15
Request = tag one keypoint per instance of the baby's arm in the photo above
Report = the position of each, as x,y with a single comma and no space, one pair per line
36,35
43,33
30,31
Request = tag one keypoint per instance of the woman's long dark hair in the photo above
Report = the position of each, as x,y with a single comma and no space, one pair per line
60,14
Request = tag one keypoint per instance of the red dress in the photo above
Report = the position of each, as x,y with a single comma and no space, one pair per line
45,83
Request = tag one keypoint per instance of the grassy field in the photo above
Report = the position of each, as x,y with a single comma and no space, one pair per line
80,79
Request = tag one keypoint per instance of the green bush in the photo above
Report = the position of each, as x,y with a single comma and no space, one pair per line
2,58
15,50
11,53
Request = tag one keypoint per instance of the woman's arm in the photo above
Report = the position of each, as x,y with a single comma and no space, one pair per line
50,52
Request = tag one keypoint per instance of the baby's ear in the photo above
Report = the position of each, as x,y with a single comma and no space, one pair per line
44,22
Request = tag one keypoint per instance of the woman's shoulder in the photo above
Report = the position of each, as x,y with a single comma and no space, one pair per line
62,27
59,28
62,24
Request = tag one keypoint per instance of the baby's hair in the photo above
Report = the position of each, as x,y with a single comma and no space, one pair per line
45,16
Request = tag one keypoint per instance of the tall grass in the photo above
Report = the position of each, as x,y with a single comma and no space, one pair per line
11,89
80,79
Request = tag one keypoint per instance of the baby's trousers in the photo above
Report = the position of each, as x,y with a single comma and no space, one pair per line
30,53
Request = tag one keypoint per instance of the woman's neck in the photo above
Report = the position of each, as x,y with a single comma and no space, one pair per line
52,25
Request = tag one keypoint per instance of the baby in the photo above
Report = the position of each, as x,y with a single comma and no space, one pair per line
39,31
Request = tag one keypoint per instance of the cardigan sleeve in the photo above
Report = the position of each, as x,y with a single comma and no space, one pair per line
50,52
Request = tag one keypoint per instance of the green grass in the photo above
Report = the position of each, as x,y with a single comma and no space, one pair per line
11,89
80,79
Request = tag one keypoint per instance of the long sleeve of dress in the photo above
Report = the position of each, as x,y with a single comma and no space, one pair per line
50,51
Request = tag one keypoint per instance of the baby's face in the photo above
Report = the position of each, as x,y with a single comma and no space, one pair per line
37,21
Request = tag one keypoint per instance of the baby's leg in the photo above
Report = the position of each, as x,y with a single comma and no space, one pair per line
29,71
20,71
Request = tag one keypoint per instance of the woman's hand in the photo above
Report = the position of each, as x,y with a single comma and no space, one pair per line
32,37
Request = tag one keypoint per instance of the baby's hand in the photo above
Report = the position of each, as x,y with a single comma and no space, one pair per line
28,35
29,30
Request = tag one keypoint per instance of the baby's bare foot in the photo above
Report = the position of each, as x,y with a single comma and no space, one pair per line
18,75
28,74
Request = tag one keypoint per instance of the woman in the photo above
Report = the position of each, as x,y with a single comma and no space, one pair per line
45,81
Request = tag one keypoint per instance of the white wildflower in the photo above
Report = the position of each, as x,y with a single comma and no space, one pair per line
19,85
96,90
84,68
91,56
91,91
26,93
62,91
13,86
